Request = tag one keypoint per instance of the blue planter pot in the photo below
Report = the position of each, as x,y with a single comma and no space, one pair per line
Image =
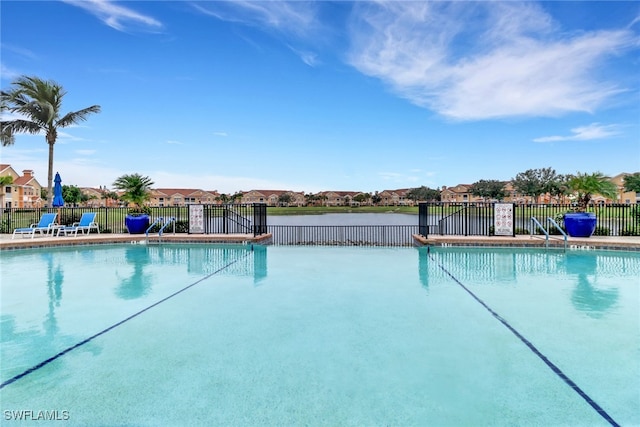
137,224
580,224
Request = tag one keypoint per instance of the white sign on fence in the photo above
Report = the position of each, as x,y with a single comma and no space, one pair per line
196,219
503,219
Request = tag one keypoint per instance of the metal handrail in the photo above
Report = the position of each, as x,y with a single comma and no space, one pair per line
159,219
536,222
555,224
171,220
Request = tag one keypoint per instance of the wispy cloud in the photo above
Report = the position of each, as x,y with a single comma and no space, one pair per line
172,142
223,134
294,17
479,60
585,133
308,57
116,16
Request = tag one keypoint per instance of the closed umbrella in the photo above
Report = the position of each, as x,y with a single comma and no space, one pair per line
58,200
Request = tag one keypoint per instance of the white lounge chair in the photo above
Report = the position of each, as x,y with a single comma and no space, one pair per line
47,225
86,223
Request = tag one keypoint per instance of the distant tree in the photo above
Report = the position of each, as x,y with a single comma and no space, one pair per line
587,185
423,194
236,196
362,197
72,195
309,198
38,103
284,199
488,189
632,182
535,182
223,198
136,189
108,196
375,199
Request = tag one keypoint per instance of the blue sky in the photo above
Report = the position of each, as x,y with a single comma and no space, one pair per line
313,96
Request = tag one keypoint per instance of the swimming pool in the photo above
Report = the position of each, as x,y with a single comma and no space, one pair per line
255,336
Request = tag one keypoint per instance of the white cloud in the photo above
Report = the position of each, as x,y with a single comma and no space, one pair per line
297,18
479,60
585,133
117,17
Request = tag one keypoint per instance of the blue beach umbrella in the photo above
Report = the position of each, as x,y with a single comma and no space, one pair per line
58,200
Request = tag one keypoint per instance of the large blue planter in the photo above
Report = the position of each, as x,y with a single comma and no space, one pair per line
137,224
580,224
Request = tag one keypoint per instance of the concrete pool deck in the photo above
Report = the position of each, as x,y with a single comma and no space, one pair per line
631,243
21,242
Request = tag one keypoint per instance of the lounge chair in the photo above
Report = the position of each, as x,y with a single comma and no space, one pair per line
47,225
86,223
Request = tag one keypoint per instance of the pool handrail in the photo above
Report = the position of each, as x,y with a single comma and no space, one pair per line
535,221
158,220
165,223
170,220
555,224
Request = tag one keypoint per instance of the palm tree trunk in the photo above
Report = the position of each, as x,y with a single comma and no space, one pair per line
50,175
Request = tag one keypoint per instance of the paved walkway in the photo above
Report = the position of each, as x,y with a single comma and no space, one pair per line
594,242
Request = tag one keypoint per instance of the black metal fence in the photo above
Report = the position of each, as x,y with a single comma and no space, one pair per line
218,219
343,235
477,219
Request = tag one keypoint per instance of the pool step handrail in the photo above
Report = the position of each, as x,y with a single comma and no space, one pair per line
535,221
165,222
170,220
547,235
555,224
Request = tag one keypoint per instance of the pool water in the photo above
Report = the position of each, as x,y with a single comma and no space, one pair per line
274,336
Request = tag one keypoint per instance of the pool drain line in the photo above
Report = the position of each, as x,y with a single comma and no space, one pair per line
532,347
83,342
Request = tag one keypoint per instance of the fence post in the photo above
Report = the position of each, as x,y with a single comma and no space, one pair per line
423,219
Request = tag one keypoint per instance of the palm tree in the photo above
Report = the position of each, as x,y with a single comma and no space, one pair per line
38,103
587,185
137,189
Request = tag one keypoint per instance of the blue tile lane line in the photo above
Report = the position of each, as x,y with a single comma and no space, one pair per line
83,342
532,347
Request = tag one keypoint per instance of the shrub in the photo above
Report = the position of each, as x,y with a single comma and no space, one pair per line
632,231
602,231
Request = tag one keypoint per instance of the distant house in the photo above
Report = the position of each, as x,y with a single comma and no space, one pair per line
181,197
459,194
24,192
395,197
274,197
339,198
627,197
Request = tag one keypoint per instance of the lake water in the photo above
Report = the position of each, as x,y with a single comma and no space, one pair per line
344,219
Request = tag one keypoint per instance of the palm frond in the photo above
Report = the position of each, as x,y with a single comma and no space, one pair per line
77,116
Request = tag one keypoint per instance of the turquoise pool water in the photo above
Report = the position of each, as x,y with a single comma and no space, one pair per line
319,336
